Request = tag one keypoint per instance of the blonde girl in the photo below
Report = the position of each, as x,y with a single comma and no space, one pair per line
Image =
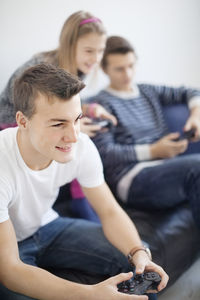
81,45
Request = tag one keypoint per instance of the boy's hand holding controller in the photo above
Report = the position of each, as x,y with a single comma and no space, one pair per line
140,284
148,277
108,289
172,144
193,123
168,146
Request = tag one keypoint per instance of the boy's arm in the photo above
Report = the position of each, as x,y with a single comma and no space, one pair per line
120,230
40,284
117,226
173,95
29,280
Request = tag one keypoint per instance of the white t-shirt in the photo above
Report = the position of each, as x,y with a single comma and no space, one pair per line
27,196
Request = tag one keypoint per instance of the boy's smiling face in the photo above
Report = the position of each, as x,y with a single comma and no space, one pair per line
51,133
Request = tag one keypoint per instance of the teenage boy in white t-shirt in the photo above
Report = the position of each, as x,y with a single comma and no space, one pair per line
44,152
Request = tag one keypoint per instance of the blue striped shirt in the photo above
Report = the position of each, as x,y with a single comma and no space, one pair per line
140,123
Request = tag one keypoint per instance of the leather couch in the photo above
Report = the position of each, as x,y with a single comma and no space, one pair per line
172,236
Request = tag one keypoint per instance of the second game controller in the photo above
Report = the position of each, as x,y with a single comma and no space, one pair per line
188,135
103,123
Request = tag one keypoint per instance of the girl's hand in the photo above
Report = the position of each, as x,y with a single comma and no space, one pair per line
89,128
95,110
101,112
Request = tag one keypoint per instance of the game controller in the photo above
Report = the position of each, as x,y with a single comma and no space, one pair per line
139,284
188,135
103,123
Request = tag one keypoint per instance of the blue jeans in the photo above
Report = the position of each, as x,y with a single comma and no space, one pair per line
68,243
165,186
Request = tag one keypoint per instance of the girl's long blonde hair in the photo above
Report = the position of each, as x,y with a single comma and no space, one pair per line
65,55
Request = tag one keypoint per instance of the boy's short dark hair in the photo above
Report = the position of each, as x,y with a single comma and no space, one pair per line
47,80
116,45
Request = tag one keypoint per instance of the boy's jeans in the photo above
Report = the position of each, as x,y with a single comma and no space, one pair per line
167,185
71,244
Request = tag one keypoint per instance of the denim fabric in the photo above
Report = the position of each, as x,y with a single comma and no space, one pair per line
81,208
6,294
71,243
164,186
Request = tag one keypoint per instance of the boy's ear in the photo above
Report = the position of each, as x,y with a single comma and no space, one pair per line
21,120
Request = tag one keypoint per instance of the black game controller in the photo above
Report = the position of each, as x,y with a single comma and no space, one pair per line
140,283
103,123
188,135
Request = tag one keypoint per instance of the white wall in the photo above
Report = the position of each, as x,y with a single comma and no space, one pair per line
165,33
